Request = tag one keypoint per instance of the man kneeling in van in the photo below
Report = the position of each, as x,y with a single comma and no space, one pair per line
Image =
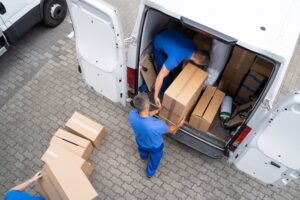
170,48
149,132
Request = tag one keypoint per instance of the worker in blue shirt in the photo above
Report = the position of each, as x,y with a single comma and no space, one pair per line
17,192
149,132
170,48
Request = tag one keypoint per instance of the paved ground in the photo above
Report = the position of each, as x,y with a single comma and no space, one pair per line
40,89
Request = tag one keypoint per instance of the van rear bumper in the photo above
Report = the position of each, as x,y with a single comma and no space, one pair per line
200,142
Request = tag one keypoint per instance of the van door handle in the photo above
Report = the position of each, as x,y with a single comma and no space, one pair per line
275,164
2,9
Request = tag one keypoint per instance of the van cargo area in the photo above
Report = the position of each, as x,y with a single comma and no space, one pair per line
236,80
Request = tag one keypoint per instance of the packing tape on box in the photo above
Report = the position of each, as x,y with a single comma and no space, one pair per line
90,129
51,153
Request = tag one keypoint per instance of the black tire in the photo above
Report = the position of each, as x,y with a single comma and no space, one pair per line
54,12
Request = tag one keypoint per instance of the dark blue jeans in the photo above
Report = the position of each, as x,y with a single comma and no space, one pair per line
154,154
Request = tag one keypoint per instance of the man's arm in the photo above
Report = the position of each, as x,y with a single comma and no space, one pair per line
173,128
154,112
24,185
158,83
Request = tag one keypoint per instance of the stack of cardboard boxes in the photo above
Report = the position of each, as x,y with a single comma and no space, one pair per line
181,96
66,169
244,74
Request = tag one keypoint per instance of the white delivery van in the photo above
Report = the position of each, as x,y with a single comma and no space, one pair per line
266,144
17,17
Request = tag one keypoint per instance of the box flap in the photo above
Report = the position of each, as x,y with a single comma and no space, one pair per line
55,151
74,139
204,101
71,180
148,71
214,106
262,66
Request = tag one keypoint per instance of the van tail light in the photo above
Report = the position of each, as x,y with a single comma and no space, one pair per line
240,138
131,81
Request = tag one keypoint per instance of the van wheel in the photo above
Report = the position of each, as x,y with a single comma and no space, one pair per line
54,12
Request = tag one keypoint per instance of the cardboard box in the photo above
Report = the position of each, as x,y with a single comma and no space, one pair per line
250,85
206,108
169,117
87,169
148,71
77,145
62,180
236,69
202,42
183,93
262,67
55,151
86,128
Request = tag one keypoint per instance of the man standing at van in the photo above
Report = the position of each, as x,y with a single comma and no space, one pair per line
170,48
149,132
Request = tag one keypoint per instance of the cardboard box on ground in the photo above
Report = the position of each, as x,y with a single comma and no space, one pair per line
66,171
181,96
206,108
86,128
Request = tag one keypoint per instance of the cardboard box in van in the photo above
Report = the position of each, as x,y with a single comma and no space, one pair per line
169,117
148,71
183,93
77,145
62,180
250,85
206,108
236,69
262,67
86,128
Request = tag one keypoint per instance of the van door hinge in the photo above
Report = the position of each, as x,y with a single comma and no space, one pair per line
131,40
267,104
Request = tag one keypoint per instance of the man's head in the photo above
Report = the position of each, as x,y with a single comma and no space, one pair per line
141,102
200,57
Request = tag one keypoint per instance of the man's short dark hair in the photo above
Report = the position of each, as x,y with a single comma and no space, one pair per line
203,55
140,101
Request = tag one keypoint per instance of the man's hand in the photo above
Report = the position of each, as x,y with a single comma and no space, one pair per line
157,102
36,176
154,112
173,128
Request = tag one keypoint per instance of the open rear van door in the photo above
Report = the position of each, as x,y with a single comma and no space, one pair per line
99,46
270,152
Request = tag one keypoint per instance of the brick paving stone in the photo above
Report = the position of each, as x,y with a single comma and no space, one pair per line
40,89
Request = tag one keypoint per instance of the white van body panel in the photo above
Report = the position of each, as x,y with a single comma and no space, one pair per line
15,10
271,150
99,46
244,21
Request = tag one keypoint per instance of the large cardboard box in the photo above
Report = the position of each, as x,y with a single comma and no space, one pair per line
262,67
169,117
77,145
183,93
250,85
55,151
206,108
236,69
148,71
62,180
86,128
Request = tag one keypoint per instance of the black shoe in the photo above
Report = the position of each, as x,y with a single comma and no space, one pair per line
148,176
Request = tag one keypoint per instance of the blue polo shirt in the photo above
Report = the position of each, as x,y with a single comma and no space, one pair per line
175,45
148,131
20,195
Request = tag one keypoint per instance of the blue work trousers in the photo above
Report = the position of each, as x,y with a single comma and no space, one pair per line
154,154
